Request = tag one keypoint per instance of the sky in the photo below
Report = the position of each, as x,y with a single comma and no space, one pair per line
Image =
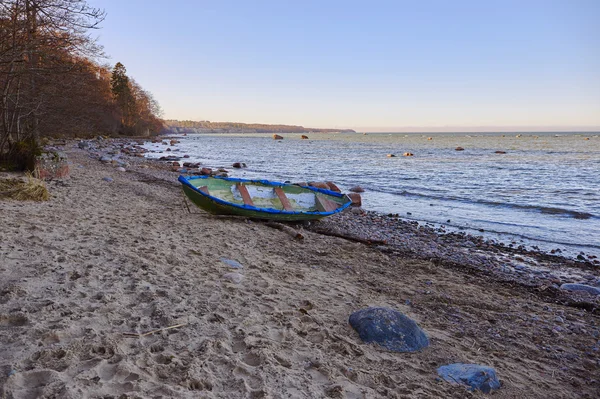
369,65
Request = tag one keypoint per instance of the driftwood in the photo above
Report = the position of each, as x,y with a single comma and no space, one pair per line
139,335
286,229
349,237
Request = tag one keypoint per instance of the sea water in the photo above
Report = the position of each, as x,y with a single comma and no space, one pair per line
543,191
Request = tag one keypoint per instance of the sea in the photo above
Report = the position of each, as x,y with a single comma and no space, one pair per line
542,190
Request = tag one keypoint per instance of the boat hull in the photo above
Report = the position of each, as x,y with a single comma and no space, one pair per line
218,206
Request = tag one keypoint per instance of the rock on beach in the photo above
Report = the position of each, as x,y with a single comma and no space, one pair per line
232,263
581,288
388,328
234,278
356,199
473,376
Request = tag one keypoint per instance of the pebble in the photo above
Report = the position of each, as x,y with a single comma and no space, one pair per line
108,179
232,263
235,278
121,169
474,376
389,328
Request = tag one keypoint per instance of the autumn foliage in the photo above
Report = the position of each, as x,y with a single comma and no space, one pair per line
52,85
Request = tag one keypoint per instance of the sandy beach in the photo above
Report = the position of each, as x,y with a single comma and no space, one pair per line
85,275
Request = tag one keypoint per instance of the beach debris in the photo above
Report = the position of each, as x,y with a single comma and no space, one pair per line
580,287
408,154
459,149
356,199
303,137
429,138
474,376
232,263
357,189
108,179
391,155
153,331
499,152
30,189
286,229
235,278
277,137
388,328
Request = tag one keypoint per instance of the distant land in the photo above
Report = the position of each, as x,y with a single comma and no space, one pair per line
180,127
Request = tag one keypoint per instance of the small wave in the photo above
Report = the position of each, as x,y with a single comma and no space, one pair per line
542,209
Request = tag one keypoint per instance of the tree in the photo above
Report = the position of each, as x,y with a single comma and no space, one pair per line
139,111
36,38
123,96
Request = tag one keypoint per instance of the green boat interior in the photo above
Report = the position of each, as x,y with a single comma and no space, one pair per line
287,197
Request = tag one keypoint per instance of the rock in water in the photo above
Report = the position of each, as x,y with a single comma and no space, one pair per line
357,189
232,263
389,328
474,376
581,287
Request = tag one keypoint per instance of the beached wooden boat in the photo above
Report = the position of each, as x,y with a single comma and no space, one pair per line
262,199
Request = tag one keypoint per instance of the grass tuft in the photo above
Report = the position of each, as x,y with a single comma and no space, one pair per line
28,189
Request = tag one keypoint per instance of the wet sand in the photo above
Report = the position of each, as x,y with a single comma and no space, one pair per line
102,261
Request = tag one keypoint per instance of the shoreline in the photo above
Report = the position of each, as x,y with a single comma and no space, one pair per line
103,259
533,268
542,223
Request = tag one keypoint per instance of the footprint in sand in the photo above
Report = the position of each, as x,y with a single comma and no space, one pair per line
34,384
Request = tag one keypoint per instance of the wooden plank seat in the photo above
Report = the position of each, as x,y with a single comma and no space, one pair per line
245,195
283,198
325,205
204,189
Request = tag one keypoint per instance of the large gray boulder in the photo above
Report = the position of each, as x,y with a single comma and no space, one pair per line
389,328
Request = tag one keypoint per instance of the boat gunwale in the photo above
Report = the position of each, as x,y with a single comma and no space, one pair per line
185,180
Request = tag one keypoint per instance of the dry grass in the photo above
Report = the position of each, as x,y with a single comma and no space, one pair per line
28,189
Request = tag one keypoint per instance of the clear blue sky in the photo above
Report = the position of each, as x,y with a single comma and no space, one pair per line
370,65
